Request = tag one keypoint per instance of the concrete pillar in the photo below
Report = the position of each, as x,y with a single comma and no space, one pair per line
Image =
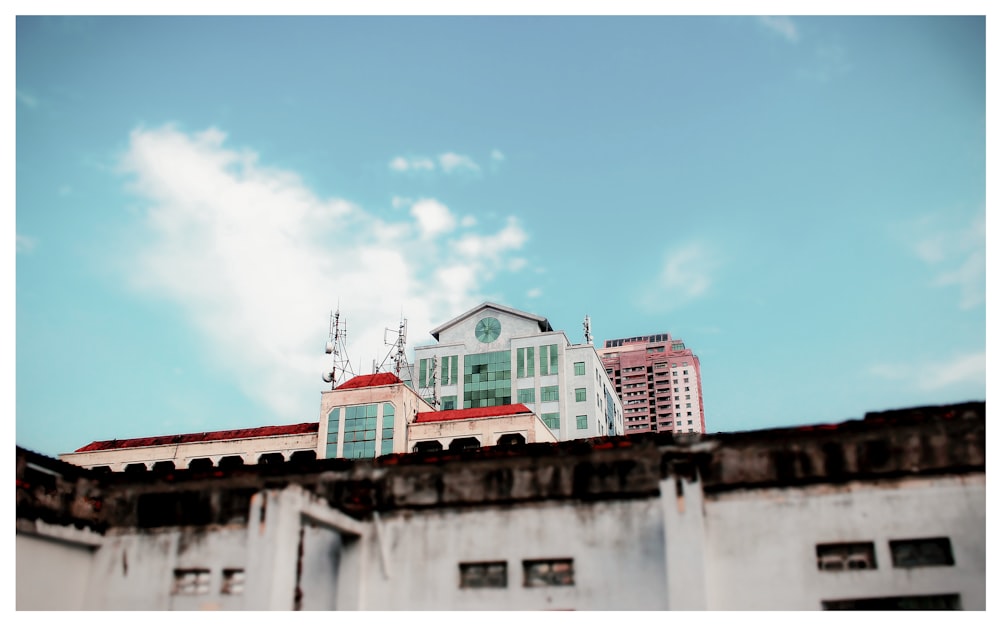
273,549
684,542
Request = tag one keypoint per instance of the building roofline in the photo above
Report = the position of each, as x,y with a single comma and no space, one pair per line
543,323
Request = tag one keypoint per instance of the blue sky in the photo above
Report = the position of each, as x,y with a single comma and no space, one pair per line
801,200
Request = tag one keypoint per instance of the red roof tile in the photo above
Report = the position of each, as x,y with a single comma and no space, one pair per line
467,414
209,436
370,381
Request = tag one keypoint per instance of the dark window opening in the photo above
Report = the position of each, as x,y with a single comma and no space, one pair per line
510,440
164,466
555,572
846,556
924,602
303,456
921,552
101,468
483,575
427,446
135,468
231,461
201,463
271,458
464,444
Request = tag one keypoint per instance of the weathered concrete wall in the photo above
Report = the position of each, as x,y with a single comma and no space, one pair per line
616,547
51,574
760,550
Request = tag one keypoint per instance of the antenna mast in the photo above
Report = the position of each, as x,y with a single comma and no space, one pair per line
336,345
398,353
586,330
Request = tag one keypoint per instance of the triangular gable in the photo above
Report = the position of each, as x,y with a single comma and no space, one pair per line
543,323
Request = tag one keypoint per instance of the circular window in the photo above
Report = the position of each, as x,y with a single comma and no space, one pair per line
488,330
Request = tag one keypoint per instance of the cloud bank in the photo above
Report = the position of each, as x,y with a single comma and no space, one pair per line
256,261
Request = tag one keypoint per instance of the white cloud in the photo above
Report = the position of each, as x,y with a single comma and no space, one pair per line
496,155
534,292
415,164
256,261
490,247
26,244
468,221
517,263
433,218
957,254
686,276
451,162
969,368
783,26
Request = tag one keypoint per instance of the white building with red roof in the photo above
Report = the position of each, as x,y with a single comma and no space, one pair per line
495,355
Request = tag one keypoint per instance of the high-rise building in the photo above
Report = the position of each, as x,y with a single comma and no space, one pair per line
495,355
658,380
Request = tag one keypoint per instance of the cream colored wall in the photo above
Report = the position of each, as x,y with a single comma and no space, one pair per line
250,449
487,430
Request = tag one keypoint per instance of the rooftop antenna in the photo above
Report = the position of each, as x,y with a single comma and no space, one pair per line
586,330
336,345
398,352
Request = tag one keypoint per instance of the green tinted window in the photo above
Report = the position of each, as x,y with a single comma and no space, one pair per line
581,394
581,422
551,420
333,432
579,368
526,396
486,380
550,393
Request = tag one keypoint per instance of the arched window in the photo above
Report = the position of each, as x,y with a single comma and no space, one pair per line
135,468
303,456
201,463
231,461
270,458
464,444
163,466
510,440
427,446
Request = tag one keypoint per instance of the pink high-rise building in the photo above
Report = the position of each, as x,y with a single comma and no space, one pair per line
659,382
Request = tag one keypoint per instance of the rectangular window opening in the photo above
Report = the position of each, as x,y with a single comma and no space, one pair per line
548,572
921,552
482,575
846,556
191,581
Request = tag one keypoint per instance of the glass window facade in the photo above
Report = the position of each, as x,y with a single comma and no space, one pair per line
449,402
449,370
333,432
581,394
551,420
550,393
388,427
579,368
526,362
487,380
526,396
548,359
581,422
359,431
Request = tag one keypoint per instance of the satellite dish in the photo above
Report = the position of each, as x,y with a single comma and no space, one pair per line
327,378
329,348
